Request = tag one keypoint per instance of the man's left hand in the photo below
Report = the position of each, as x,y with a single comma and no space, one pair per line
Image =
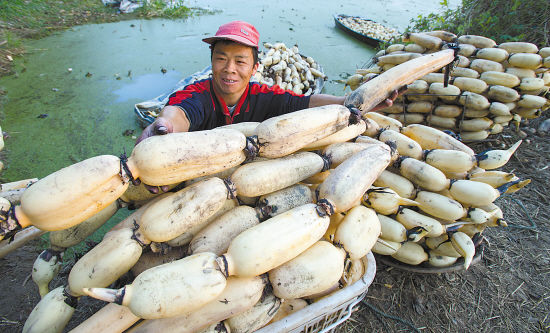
389,101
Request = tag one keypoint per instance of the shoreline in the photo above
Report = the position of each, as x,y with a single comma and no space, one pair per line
45,17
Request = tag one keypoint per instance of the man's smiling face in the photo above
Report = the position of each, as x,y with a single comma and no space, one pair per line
232,67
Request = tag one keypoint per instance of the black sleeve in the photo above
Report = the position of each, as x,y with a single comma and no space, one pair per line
191,100
274,101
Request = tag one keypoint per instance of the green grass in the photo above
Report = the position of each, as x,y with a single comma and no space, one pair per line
501,20
24,19
41,16
157,8
38,17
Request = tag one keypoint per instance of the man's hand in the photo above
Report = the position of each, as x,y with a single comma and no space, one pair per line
389,101
171,119
382,105
160,126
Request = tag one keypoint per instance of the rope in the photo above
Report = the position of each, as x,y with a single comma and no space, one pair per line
355,115
231,188
136,235
69,299
327,161
452,64
124,166
324,208
383,314
252,147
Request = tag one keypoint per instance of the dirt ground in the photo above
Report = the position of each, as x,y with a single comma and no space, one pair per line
508,290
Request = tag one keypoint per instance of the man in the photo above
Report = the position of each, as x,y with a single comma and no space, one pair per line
229,96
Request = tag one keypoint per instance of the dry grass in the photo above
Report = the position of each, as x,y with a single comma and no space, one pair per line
507,291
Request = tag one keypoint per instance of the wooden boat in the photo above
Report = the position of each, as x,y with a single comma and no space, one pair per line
147,111
371,40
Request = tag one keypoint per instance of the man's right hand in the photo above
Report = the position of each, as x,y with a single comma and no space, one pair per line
160,126
171,119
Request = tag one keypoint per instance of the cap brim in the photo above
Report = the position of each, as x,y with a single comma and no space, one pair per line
237,39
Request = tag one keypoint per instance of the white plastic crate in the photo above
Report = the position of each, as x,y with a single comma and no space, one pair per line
326,314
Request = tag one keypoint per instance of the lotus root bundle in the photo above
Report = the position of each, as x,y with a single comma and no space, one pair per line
302,194
490,85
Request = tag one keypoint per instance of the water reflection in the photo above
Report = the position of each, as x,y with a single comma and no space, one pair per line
147,86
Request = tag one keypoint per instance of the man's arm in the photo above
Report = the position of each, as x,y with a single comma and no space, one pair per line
170,120
177,118
324,99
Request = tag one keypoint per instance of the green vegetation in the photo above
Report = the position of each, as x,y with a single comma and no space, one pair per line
33,19
501,20
22,19
157,8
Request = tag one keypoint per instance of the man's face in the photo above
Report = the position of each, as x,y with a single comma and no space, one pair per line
232,66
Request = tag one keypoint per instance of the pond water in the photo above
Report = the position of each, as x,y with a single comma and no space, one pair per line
75,98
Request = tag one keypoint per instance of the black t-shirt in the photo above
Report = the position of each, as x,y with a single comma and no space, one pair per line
259,102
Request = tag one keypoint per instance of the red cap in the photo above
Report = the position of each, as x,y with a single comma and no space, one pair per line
237,31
